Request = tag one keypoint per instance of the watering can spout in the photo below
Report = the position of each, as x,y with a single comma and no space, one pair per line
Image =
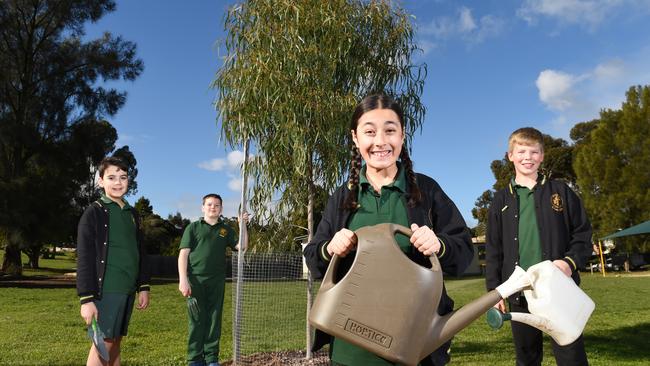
448,325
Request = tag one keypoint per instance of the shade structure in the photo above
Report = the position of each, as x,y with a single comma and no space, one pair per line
642,228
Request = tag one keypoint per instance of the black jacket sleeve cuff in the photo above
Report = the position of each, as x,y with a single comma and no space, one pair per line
86,299
144,287
571,263
324,254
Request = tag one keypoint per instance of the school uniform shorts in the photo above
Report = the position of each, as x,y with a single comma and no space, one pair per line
114,313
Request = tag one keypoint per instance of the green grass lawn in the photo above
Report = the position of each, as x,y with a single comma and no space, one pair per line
62,263
43,326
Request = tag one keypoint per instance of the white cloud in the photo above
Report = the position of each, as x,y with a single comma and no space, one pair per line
587,13
235,158
577,97
490,26
555,89
611,70
464,26
466,21
214,165
427,46
231,165
234,184
232,162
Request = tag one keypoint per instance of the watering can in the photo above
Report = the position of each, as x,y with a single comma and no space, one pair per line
387,304
557,306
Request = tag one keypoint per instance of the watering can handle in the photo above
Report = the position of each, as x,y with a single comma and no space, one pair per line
394,228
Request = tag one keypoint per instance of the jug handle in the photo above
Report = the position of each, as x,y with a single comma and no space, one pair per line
328,281
396,228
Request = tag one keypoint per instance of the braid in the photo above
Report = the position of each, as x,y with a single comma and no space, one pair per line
414,195
353,182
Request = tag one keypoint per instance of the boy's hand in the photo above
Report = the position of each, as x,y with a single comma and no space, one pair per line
501,305
563,266
184,287
425,240
245,216
342,243
143,300
88,312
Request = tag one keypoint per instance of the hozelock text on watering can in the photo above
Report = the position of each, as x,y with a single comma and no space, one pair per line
387,304
557,306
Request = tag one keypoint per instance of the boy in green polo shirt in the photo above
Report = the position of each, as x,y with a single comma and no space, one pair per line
202,276
111,262
532,220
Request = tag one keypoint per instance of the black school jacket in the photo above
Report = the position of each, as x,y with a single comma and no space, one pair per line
435,210
564,230
92,251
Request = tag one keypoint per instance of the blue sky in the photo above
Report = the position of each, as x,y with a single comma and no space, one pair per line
493,66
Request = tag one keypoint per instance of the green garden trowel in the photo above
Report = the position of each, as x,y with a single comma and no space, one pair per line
97,337
193,308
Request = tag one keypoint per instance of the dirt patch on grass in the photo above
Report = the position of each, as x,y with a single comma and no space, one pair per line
38,281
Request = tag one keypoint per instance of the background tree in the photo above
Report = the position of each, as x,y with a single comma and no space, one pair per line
49,84
127,156
612,160
143,207
480,212
92,141
161,236
292,73
178,220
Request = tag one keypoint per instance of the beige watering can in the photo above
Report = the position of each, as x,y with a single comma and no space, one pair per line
557,306
387,304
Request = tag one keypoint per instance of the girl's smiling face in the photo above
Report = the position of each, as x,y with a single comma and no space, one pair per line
379,137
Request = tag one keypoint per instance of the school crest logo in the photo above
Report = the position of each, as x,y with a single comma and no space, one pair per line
556,202
223,232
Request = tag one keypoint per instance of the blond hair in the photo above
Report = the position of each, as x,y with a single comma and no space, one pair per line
526,136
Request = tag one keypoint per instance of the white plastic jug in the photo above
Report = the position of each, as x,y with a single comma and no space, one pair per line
554,296
557,305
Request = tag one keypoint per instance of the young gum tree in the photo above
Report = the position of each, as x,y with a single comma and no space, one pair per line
291,76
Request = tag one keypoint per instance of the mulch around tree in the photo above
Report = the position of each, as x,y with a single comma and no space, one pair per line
282,358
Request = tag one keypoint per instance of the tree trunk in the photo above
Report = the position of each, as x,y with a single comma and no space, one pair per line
12,262
33,254
310,296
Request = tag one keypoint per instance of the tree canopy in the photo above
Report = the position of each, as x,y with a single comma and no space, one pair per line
52,102
612,160
291,75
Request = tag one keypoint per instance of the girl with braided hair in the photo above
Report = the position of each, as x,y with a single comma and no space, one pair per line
383,188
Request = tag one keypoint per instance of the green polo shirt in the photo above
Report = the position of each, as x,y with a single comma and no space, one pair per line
123,257
387,206
530,246
207,245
